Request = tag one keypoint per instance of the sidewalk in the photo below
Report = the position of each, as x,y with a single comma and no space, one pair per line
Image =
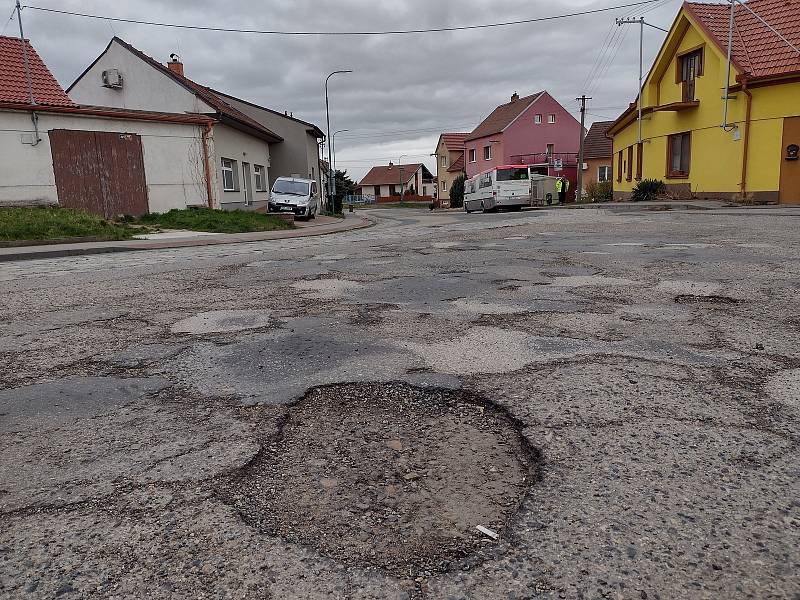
182,239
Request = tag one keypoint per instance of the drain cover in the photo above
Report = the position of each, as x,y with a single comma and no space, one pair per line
387,475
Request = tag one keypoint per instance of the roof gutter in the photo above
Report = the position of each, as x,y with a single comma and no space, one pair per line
113,114
746,141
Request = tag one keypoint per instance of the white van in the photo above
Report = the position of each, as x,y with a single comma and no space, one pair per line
295,195
507,186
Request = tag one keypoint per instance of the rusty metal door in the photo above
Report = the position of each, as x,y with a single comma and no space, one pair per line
100,172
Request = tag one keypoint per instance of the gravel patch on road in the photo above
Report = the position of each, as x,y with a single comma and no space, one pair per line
223,321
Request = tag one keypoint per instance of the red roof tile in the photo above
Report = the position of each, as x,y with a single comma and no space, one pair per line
387,175
14,83
757,51
458,164
502,116
596,144
454,141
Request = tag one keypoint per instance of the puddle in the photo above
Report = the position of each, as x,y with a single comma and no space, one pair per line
387,475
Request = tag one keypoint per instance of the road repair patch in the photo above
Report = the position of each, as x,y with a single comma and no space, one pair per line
387,475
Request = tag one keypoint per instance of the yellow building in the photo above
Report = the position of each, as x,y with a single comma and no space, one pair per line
683,142
449,163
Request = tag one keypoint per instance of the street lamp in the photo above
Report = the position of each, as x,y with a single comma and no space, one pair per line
334,147
400,166
331,182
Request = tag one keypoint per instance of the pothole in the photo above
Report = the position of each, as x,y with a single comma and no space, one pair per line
387,475
223,321
705,299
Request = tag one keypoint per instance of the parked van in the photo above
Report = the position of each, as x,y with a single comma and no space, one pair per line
295,195
507,186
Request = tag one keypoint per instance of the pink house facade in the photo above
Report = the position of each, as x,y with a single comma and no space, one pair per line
534,130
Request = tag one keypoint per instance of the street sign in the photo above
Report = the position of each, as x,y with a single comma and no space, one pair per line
558,164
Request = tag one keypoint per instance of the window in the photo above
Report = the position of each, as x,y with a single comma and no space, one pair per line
260,175
290,187
603,174
537,119
229,175
551,148
551,119
691,67
679,148
444,186
619,166
485,180
629,165
487,152
444,160
472,155
639,150
512,174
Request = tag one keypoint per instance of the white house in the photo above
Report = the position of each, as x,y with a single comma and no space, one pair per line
387,181
125,78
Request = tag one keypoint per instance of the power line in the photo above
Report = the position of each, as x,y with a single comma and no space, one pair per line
10,18
337,33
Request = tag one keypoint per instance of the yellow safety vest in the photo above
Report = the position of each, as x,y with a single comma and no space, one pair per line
559,185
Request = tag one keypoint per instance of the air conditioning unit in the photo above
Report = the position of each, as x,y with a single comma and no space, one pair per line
112,78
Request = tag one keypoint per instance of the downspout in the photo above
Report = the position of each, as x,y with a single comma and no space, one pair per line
746,141
207,165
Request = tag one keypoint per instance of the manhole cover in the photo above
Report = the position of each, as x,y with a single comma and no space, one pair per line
387,475
711,299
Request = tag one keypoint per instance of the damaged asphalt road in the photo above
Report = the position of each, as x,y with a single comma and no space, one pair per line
614,395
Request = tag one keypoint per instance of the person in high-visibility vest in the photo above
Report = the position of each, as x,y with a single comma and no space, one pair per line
562,187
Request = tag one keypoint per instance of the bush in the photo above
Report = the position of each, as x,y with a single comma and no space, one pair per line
599,191
457,192
648,189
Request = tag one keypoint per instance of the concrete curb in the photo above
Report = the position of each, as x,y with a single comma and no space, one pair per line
87,248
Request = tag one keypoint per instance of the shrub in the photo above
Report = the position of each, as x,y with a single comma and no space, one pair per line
648,189
457,192
599,191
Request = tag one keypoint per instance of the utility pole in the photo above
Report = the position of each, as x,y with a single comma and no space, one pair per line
31,98
331,181
579,187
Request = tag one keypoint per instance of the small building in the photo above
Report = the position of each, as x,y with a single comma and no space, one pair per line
298,153
123,77
597,154
386,182
109,161
534,130
701,144
449,163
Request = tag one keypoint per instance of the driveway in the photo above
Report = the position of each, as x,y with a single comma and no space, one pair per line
558,404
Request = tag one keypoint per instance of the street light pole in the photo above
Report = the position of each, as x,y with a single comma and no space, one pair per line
334,148
330,142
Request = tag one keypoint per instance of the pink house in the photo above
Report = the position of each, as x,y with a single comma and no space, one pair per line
534,130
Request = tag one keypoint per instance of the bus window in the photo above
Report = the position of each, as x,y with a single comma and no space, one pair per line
512,174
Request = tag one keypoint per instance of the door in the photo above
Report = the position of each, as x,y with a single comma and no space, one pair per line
100,172
790,162
247,187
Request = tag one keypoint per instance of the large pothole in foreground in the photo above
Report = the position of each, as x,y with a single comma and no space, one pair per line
387,475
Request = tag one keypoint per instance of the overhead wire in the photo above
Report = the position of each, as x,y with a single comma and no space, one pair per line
10,18
348,33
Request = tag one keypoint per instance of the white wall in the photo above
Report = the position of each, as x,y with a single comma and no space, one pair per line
235,145
144,87
172,152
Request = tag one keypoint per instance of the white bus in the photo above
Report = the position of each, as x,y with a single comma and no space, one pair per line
507,186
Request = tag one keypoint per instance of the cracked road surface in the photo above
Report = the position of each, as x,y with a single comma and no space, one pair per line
188,423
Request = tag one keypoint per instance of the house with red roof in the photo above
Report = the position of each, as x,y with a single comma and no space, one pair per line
701,141
533,130
106,160
597,154
385,183
449,163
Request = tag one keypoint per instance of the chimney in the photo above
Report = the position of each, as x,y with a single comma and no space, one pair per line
391,164
175,65
514,97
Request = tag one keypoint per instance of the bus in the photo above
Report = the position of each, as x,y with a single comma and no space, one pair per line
506,186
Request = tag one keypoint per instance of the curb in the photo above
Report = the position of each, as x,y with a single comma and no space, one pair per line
19,253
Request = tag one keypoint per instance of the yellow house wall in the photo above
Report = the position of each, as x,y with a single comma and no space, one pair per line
716,156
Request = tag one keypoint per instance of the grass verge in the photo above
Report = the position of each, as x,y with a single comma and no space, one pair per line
47,223
214,221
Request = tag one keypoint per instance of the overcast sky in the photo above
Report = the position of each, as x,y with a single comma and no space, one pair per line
405,89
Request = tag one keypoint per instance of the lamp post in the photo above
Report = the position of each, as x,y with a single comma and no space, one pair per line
334,147
331,182
400,166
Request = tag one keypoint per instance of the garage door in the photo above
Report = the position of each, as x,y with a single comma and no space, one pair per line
99,171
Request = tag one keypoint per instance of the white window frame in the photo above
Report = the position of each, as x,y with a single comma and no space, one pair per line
444,160
260,177
600,178
487,155
473,155
444,186
550,149
551,118
229,168
537,119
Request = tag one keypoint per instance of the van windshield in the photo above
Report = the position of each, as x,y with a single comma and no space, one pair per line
293,188
512,174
